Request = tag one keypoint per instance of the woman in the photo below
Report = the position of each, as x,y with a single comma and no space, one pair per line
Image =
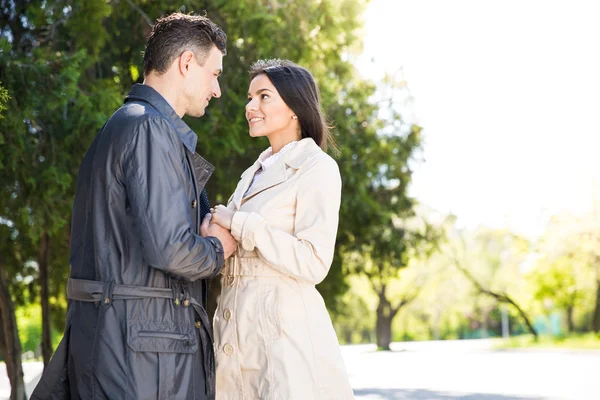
273,336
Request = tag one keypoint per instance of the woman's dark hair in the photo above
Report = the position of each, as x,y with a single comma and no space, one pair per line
298,89
176,33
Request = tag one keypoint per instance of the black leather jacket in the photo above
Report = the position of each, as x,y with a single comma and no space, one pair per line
136,324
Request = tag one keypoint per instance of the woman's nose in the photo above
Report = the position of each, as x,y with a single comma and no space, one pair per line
251,106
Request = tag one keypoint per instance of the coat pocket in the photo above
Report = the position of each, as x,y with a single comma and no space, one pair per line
268,312
161,337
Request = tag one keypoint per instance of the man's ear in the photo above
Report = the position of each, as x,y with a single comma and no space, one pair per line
185,59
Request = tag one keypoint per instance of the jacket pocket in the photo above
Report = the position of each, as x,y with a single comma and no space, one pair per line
161,337
268,312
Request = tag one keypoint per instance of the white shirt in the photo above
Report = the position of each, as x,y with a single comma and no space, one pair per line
267,159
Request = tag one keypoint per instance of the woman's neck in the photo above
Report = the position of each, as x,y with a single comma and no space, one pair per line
279,141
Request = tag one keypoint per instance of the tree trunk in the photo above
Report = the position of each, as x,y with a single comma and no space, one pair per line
383,330
524,316
383,325
570,324
437,322
484,324
10,345
43,260
596,320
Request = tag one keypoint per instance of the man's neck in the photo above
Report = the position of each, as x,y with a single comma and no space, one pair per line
167,90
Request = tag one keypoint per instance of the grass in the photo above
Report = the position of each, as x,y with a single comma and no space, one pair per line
576,341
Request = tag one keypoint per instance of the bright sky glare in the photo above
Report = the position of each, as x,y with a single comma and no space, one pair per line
508,93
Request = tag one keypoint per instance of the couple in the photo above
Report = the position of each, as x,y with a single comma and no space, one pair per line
144,243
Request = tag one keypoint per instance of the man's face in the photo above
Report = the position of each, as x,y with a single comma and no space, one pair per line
201,82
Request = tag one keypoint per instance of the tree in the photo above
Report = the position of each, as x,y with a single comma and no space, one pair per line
51,119
568,270
490,260
12,248
557,280
376,204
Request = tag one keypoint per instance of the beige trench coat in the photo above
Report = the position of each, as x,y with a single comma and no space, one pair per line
273,336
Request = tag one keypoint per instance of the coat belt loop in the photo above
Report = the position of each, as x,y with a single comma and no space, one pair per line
107,292
186,293
176,289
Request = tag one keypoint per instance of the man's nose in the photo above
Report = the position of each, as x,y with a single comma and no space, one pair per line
217,90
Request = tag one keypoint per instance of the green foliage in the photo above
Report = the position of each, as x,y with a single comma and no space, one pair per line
3,100
68,65
576,341
30,331
56,107
557,281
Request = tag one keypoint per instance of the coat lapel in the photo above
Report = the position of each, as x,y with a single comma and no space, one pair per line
242,186
275,174
269,178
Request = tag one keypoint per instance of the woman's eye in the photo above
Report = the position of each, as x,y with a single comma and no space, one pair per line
264,96
249,99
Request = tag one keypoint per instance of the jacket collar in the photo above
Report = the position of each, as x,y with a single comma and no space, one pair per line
296,157
277,173
145,93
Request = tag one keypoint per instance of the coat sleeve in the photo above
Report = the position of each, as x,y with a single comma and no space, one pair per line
155,186
306,254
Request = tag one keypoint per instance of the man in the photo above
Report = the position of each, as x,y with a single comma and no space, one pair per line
140,258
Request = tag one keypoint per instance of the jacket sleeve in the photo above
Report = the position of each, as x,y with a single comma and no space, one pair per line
155,186
306,254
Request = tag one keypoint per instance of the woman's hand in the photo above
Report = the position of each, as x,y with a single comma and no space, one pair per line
221,215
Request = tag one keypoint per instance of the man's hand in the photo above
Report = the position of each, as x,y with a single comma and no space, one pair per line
224,236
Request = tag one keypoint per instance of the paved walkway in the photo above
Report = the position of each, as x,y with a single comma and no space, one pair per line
471,370
457,370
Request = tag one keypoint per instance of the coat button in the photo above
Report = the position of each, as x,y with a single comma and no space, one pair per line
198,324
247,244
227,314
228,349
194,203
186,303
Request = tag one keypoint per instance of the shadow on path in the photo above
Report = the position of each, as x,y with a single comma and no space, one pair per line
425,394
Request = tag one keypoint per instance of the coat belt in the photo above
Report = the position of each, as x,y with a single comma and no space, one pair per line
97,291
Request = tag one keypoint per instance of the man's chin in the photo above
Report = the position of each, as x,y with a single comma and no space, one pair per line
197,113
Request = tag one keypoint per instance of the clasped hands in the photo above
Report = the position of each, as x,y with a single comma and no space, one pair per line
218,224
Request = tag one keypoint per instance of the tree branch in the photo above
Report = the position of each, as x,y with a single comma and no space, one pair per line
140,11
405,301
501,297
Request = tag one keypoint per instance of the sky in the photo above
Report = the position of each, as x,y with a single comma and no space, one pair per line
508,94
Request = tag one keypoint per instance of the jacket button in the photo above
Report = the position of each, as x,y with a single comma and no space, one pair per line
186,303
194,203
228,349
247,244
198,324
227,314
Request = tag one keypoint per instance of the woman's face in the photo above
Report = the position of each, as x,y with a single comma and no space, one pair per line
266,112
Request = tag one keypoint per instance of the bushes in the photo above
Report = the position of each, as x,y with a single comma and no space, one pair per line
29,321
